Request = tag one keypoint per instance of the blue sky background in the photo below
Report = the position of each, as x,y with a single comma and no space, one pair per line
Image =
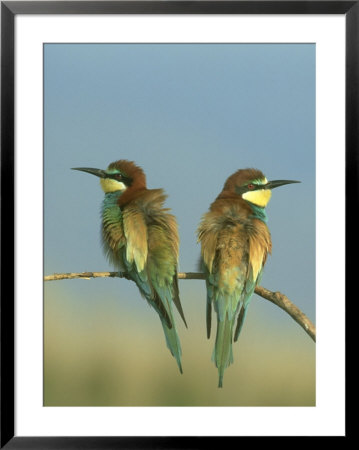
190,115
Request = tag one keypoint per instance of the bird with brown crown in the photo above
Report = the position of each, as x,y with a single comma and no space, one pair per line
140,238
235,242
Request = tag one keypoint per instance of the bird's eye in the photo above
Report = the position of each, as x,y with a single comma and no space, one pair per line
250,186
118,176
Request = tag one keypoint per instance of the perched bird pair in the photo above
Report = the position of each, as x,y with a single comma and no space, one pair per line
140,238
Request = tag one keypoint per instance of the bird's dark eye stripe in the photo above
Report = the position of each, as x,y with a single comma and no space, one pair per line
120,177
116,176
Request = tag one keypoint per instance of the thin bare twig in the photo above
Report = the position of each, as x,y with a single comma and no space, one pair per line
275,297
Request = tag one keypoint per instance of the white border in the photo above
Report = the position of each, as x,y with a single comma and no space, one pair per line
327,418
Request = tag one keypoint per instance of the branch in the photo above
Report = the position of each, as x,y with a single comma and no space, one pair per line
290,308
275,297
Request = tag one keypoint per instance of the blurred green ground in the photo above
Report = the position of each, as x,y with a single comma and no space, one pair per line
99,352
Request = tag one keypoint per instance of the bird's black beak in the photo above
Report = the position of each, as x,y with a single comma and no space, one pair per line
98,172
277,183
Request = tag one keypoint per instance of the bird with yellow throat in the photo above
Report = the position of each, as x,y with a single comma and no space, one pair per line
235,242
140,237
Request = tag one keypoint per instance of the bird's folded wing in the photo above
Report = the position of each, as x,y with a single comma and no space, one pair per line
135,230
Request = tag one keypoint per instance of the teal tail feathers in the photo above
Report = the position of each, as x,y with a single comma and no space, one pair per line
223,354
173,342
161,300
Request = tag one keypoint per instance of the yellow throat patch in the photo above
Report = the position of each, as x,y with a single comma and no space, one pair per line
259,197
109,185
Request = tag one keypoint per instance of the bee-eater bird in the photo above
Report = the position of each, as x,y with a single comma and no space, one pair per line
235,241
140,238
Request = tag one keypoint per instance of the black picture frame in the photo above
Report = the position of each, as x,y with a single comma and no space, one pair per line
9,10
